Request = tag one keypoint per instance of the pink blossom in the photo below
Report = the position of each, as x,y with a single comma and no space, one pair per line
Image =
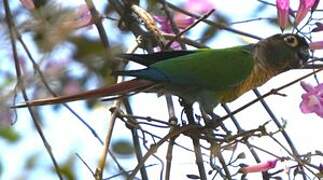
199,6
72,87
265,166
182,21
303,8
283,13
194,6
53,68
316,3
82,18
312,100
28,4
164,23
316,45
6,117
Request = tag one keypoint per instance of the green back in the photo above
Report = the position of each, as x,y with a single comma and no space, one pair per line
215,69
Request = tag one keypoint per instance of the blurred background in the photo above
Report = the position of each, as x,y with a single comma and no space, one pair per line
73,59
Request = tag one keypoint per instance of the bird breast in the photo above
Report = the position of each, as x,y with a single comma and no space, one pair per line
258,76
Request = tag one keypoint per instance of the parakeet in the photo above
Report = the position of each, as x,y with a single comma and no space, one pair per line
206,76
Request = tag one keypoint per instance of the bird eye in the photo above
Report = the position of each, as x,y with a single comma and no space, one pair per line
291,41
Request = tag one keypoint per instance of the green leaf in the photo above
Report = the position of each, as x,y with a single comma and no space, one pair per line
123,148
31,161
67,168
9,134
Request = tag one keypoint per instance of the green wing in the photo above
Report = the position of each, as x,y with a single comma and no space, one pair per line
213,69
210,68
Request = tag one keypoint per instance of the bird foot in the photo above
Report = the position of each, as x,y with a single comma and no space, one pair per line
217,120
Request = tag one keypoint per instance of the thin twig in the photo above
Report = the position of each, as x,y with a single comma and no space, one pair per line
211,23
106,146
149,23
50,90
188,109
135,138
172,22
21,84
116,175
148,119
184,40
284,133
86,165
189,27
173,121
153,148
265,174
98,24
224,166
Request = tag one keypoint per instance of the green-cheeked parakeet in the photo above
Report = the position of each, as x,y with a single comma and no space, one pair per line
206,76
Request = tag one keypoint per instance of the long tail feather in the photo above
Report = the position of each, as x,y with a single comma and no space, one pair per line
117,89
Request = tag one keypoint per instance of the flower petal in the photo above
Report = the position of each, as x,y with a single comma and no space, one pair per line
164,23
316,3
283,13
306,86
316,45
303,8
312,100
260,167
199,6
72,87
83,17
28,4
182,21
304,106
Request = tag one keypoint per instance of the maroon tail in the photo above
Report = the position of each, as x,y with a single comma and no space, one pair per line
117,89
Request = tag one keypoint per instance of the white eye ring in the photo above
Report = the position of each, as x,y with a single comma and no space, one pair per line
291,41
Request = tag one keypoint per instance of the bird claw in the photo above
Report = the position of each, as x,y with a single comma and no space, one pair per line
217,120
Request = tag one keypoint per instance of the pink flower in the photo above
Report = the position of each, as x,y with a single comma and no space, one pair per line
72,87
283,12
199,6
28,4
164,23
7,117
313,99
259,167
316,45
83,18
316,3
195,6
303,8
53,69
182,21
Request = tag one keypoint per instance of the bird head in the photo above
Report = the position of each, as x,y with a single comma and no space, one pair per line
283,52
